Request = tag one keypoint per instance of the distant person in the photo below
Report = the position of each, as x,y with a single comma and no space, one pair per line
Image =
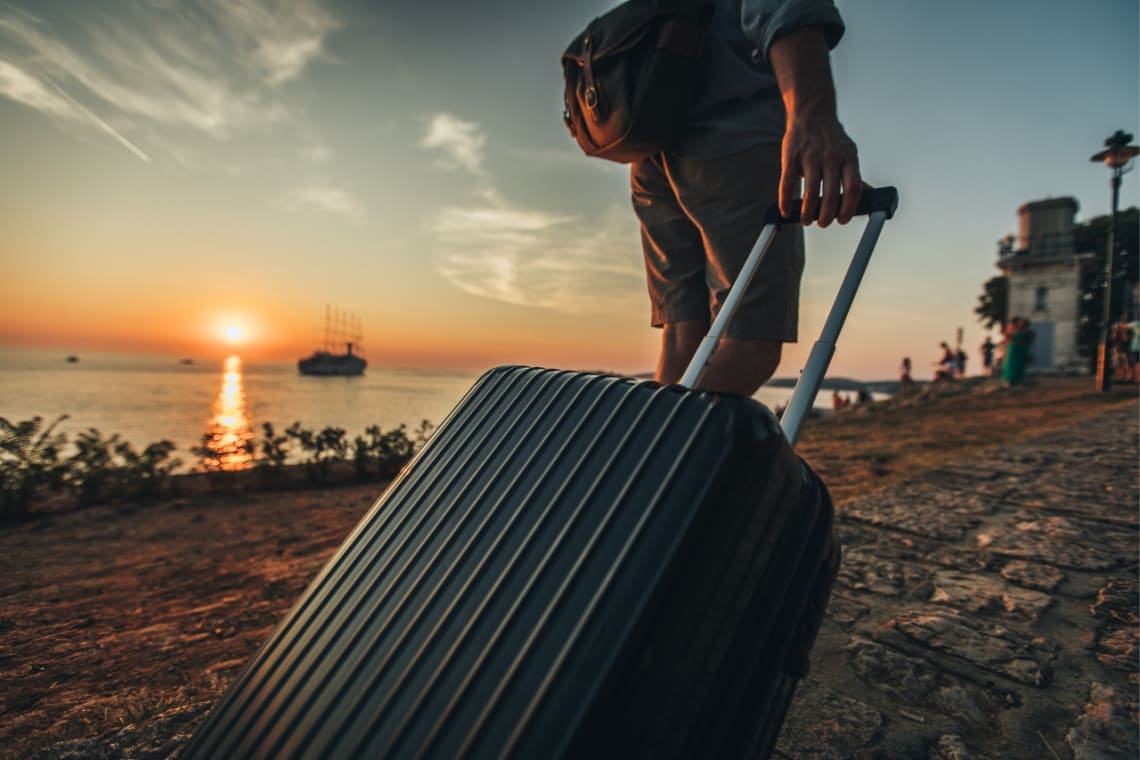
1120,344
987,350
864,396
906,379
766,119
960,362
999,352
946,365
836,401
1134,348
1018,338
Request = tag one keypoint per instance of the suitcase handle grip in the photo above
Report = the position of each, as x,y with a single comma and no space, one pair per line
885,199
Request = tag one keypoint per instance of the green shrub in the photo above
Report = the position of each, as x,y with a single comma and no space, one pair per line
29,461
274,448
322,450
91,472
423,434
364,450
145,475
101,469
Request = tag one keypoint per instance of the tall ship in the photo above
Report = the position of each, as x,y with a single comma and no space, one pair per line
341,329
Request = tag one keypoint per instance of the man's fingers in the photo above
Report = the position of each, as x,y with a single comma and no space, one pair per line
852,192
829,204
789,184
810,209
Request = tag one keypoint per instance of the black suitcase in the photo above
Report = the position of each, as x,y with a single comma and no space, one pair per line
576,565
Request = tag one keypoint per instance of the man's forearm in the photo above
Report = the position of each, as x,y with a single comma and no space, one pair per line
815,147
801,62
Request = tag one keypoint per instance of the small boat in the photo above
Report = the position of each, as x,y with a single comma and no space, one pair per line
72,359
341,328
186,362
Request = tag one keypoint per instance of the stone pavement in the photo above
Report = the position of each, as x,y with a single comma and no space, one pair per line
986,609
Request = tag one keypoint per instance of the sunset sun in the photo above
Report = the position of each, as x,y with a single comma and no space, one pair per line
234,333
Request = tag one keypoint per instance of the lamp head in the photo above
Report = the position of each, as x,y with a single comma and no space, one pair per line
1118,153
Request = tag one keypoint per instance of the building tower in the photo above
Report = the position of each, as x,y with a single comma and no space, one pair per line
1045,273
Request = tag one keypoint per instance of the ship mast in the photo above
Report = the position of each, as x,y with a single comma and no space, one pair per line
326,345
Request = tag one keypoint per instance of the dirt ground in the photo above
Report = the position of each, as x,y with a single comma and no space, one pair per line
120,625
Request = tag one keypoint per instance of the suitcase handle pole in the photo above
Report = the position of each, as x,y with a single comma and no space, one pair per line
807,387
700,362
877,203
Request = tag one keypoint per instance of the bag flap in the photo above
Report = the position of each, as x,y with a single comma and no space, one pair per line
611,33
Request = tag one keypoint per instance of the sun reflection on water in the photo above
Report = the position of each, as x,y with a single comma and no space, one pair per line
227,444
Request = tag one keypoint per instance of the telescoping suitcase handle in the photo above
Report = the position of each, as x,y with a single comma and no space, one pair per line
878,204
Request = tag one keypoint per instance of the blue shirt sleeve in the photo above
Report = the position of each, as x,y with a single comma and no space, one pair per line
765,20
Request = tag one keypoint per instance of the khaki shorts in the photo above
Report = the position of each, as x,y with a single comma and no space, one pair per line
699,221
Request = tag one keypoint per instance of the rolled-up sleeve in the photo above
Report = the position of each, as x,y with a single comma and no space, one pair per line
765,20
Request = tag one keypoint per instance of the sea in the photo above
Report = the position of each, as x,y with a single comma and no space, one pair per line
145,399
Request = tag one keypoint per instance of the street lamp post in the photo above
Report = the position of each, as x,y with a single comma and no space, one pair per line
1117,155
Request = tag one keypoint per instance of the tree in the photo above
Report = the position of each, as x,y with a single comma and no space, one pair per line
993,302
1092,237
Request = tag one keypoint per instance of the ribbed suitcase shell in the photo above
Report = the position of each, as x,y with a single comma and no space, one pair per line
574,565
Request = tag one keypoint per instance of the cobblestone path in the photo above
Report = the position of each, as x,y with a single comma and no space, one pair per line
986,609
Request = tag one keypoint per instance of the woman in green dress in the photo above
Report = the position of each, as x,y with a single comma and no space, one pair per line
1018,337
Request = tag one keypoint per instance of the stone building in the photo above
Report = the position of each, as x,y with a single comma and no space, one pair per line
1045,273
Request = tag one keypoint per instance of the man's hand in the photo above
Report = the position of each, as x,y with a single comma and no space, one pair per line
815,148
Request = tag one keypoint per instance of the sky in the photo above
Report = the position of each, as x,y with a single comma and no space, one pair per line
174,168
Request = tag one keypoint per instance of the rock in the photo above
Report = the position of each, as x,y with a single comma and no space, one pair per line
949,747
1117,648
907,678
1107,727
907,547
976,592
862,570
970,706
1117,602
996,649
1033,575
1059,541
1118,640
825,725
846,612
929,512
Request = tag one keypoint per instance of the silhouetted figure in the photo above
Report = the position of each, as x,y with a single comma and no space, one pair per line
987,350
946,365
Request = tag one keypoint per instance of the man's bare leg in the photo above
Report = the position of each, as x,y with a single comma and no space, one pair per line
738,365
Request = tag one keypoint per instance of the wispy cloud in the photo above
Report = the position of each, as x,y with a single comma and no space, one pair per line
569,156
534,258
212,66
40,94
499,250
283,37
333,200
462,142
316,154
22,87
